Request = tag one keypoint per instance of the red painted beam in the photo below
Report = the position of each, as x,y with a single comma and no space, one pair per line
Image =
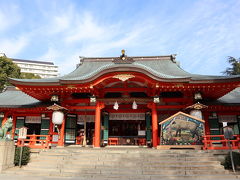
125,89
127,110
81,107
175,99
171,106
75,101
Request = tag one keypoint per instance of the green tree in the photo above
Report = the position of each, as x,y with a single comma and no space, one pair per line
235,66
7,69
29,76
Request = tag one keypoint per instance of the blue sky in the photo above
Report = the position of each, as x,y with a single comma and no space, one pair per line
203,33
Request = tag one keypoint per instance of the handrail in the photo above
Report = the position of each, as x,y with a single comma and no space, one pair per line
220,142
35,141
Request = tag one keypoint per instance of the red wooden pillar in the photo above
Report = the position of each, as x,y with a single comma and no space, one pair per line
14,121
97,130
207,127
61,133
50,125
154,125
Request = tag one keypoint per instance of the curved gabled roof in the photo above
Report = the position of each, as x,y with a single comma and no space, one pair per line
12,97
231,98
159,67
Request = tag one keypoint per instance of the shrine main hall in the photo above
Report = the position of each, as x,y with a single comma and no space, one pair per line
123,100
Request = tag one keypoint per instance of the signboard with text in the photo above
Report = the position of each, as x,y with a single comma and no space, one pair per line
22,133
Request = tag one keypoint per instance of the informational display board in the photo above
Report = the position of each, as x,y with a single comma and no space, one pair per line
33,119
55,138
141,133
182,129
127,116
88,118
22,133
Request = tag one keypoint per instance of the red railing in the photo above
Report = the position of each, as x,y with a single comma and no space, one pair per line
215,142
35,141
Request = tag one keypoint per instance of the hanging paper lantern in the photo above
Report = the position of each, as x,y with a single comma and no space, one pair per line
134,105
57,117
115,106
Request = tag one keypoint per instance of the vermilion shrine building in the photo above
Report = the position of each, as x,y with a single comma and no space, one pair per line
119,101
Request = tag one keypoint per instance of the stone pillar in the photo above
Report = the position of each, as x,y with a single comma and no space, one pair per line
154,125
7,152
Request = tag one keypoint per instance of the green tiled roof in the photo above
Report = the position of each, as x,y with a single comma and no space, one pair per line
163,67
16,98
231,98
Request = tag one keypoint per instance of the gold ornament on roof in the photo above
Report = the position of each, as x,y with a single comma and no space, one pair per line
123,56
197,106
123,77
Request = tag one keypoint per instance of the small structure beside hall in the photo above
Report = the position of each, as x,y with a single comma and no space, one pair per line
181,130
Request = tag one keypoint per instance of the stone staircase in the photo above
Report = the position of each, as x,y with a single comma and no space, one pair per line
125,163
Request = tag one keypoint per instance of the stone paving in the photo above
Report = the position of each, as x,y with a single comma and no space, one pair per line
21,177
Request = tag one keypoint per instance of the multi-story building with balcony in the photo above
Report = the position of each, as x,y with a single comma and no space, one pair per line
42,68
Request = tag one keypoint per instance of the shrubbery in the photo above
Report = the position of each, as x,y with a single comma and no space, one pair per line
236,159
25,155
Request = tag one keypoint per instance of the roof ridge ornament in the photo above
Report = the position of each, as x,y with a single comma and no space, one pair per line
173,58
123,59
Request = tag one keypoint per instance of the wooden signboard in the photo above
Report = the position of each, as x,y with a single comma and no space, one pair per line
181,130
22,133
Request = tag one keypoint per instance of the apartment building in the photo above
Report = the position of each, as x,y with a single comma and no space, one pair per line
42,68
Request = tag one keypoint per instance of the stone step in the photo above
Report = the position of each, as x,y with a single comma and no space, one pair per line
84,156
81,176
137,160
42,169
124,164
206,164
128,174
93,168
145,171
127,154
143,159
191,177
126,150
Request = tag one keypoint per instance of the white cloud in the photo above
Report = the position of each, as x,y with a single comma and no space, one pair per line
52,54
203,33
85,28
12,46
7,11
